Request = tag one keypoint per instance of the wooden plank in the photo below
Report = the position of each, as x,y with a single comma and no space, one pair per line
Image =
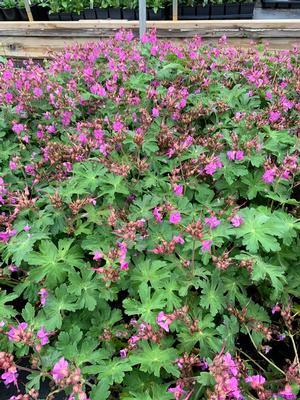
35,39
39,28
40,47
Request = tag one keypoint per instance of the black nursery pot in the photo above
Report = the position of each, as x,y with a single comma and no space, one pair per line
11,14
2,18
202,12
115,13
54,17
76,16
247,8
40,13
232,8
156,16
217,10
89,13
65,16
22,14
129,13
101,13
188,11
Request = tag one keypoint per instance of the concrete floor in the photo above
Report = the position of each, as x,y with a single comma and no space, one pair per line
275,13
269,13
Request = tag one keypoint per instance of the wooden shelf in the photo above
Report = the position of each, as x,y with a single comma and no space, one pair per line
36,39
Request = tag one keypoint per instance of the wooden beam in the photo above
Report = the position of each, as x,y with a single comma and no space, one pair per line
35,39
21,27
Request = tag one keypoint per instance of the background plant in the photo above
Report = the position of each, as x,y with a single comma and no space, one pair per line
149,222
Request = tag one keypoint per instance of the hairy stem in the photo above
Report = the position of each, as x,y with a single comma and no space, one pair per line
262,354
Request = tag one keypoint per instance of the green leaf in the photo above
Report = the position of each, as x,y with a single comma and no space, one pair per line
6,311
67,342
228,331
84,287
57,304
21,245
112,371
212,294
152,358
155,272
110,185
28,313
53,263
256,232
100,391
206,337
148,306
263,270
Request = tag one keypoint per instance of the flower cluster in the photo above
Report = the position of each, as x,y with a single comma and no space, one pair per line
149,219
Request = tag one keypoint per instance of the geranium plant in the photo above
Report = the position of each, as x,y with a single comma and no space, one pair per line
149,222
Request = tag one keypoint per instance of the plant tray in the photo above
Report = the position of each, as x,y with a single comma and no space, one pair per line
216,11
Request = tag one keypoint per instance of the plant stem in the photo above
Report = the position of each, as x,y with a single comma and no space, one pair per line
251,359
262,355
52,393
25,369
193,256
295,349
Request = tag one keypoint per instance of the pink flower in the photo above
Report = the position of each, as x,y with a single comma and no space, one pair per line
239,155
60,370
286,104
164,321
82,138
255,380
276,308
10,376
178,239
237,221
175,217
268,95
18,128
274,116
13,268
230,364
37,92
269,176
124,265
235,155
157,215
43,335
14,334
231,155
155,112
212,222
98,90
44,294
178,190
27,228
123,353
118,126
12,165
233,388
177,392
287,393
286,174
122,257
206,245
97,255
8,97
7,75
212,166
